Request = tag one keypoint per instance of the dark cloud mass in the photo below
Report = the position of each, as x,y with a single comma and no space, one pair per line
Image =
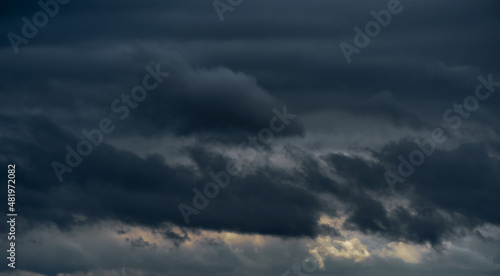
266,101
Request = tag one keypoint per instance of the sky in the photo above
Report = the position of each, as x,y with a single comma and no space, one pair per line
238,137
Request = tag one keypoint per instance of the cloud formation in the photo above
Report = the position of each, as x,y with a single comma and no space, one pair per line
319,187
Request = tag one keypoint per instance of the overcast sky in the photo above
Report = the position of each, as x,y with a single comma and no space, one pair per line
186,138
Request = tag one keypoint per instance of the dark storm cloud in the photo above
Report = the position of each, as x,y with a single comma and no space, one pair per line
113,184
274,48
216,101
226,107
464,181
226,77
452,191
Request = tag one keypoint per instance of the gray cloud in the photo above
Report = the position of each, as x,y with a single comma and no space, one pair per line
354,120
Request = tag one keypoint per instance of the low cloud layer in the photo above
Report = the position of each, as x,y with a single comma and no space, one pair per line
313,183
